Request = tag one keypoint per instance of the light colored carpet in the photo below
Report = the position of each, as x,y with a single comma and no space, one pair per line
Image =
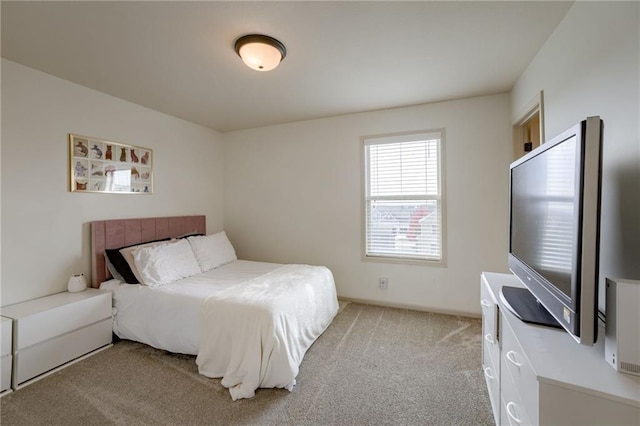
372,366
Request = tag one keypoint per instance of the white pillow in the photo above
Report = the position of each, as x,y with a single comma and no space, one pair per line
213,250
165,263
127,253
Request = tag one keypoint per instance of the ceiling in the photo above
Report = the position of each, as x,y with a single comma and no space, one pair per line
342,57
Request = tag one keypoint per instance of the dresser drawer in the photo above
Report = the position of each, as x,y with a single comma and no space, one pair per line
45,356
490,323
40,326
512,409
516,366
489,312
490,348
492,378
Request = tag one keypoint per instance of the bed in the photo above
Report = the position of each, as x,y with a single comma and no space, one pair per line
248,323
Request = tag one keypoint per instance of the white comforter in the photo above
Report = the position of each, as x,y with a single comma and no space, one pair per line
293,303
168,317
255,334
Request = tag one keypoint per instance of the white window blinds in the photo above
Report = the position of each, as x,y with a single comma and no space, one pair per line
403,197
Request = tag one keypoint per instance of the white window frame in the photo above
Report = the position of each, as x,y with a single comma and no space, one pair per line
440,197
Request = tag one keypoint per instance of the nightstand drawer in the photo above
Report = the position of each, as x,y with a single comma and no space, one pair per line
5,372
40,326
50,331
45,356
5,336
6,359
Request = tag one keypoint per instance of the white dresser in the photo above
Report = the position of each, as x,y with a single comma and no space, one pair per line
490,347
540,375
51,331
6,358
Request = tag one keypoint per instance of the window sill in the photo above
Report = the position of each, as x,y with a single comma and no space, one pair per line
404,261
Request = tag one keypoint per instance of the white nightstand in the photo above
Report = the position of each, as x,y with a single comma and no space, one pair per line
51,331
6,358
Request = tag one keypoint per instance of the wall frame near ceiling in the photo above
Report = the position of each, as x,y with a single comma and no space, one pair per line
528,127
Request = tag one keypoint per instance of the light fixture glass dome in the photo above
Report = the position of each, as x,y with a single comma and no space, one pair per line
260,52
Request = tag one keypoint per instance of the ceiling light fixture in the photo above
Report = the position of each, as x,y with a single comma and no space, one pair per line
260,52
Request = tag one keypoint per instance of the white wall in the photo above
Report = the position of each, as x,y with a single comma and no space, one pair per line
591,66
45,228
0,173
293,194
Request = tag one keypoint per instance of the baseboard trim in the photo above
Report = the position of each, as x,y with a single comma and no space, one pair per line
410,307
60,367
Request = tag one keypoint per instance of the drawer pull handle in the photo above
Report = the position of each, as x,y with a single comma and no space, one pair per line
510,406
485,303
488,338
487,372
511,356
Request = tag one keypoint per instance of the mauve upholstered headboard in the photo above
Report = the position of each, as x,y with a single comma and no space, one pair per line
108,234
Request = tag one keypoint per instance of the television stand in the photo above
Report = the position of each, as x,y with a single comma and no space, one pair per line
542,376
523,304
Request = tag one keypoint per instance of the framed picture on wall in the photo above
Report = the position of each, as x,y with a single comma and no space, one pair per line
98,165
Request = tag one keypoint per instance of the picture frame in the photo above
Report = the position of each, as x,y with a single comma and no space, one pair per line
99,165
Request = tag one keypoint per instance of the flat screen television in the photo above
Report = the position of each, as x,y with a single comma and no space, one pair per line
554,232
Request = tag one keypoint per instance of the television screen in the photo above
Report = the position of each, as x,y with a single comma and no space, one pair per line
554,231
543,215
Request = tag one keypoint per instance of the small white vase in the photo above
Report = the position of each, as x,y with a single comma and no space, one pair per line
76,283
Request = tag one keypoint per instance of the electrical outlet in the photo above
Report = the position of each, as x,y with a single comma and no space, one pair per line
383,282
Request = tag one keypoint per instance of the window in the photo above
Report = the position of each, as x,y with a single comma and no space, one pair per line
403,197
